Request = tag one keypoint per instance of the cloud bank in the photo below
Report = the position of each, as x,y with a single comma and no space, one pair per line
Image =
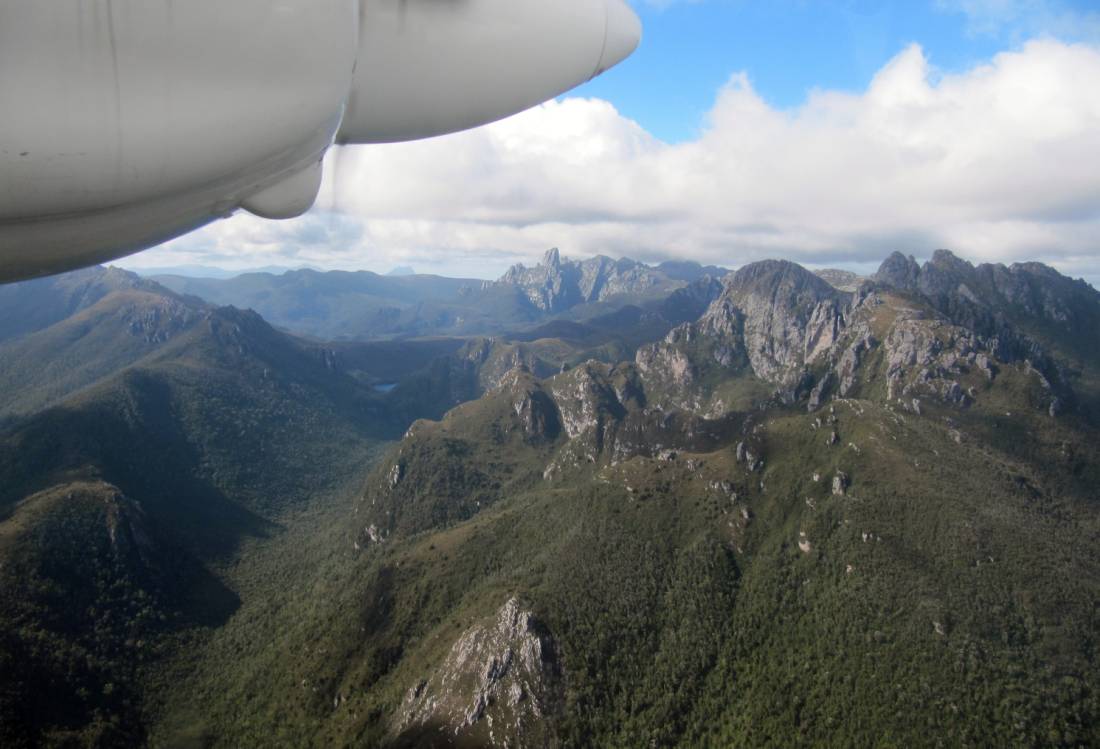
1000,163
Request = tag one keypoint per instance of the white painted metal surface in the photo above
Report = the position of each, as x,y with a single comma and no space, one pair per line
124,123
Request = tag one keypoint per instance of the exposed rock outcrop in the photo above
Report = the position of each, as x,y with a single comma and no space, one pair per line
898,271
999,304
774,319
791,317
495,687
556,285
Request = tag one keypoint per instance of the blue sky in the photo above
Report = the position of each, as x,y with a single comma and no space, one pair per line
830,133
790,47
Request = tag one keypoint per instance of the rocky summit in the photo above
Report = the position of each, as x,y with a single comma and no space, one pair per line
555,285
771,507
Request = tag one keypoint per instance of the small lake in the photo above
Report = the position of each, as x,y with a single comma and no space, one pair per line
385,387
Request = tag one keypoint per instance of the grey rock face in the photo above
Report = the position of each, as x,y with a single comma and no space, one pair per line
396,474
945,273
775,317
927,356
556,285
497,683
808,340
805,338
537,414
668,360
586,398
899,272
992,300
790,317
851,360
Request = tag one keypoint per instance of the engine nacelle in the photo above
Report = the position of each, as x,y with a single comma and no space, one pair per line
427,68
124,123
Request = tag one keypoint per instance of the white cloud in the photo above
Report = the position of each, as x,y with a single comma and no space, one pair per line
998,163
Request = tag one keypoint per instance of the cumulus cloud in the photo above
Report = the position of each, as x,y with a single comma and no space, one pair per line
998,163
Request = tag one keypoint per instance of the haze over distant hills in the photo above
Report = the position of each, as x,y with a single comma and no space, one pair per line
209,271
596,503
364,305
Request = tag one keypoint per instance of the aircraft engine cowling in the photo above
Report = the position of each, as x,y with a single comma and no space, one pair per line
125,123
427,67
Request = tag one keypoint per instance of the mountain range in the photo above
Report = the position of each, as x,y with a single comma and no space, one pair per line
670,506
364,305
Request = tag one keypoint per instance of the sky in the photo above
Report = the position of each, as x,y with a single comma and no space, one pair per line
828,132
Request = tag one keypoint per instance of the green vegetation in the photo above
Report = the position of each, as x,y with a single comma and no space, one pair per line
90,594
211,538
966,614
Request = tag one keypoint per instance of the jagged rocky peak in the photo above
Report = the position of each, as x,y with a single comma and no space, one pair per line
1041,291
503,357
810,341
779,276
557,284
668,360
940,275
706,288
496,687
774,318
983,296
947,261
790,317
898,271
235,327
944,274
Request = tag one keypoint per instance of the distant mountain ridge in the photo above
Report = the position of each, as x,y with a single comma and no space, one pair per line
363,305
990,296
555,285
32,305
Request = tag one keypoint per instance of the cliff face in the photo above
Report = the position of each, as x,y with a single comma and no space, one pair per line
791,317
774,319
